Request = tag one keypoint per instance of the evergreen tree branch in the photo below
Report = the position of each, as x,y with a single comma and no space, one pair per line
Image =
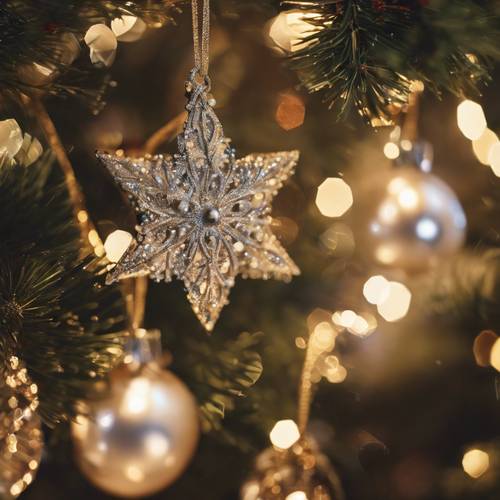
56,314
33,33
363,54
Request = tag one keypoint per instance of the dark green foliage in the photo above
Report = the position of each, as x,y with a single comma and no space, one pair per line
219,372
55,314
365,53
466,290
33,31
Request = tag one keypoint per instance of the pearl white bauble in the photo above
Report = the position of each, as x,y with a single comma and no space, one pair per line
413,219
140,437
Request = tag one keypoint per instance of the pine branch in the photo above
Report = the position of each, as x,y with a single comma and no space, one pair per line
364,54
466,290
219,372
34,31
56,315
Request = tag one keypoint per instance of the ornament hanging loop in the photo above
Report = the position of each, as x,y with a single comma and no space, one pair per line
201,40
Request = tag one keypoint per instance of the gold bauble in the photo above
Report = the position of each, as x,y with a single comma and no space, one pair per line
300,473
21,439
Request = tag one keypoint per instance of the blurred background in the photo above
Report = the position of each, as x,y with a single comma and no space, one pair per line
413,399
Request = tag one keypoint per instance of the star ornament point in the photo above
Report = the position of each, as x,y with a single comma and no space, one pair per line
205,216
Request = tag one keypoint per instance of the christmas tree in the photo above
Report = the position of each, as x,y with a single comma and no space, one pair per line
360,358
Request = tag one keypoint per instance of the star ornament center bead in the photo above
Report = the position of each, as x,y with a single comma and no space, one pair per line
205,216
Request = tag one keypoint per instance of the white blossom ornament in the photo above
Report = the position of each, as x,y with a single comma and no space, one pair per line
11,137
205,216
102,43
128,28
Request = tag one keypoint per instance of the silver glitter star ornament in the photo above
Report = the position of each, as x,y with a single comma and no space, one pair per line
205,216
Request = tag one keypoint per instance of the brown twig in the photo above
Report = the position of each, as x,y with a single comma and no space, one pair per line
88,232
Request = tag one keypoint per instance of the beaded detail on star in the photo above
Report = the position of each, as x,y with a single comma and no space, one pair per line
205,216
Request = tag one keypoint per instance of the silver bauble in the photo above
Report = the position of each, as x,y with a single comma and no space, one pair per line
300,473
139,437
412,218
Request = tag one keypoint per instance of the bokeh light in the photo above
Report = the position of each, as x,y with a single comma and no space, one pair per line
323,337
334,197
337,375
116,243
391,150
290,111
360,325
494,158
476,463
396,304
376,289
284,434
483,145
471,120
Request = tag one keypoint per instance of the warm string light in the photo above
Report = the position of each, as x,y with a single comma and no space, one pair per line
485,143
392,298
334,197
475,463
284,434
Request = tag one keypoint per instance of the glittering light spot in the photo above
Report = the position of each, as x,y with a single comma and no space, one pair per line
360,327
106,419
135,400
494,158
116,244
300,342
347,318
427,229
376,289
334,197
476,463
386,254
391,150
93,237
495,355
284,434
297,495
483,145
323,337
336,376
388,212
82,216
156,444
471,120
397,302
406,145
408,198
134,473
417,86
16,489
